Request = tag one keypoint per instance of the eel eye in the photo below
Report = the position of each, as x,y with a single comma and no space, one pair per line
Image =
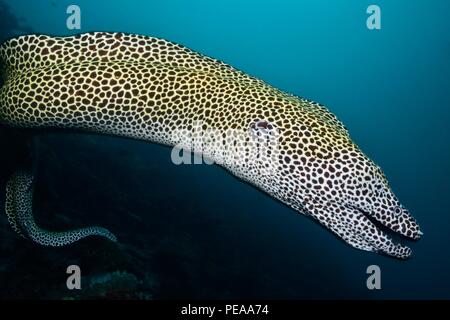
398,211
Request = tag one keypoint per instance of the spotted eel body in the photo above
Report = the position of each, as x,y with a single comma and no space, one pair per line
151,89
19,196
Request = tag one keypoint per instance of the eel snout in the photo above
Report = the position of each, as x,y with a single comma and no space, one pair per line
362,230
376,229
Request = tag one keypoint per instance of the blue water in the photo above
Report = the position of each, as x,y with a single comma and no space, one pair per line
390,87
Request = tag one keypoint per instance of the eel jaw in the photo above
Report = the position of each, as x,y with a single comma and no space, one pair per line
356,227
397,250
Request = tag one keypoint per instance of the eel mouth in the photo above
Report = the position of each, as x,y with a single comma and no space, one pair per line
395,235
399,236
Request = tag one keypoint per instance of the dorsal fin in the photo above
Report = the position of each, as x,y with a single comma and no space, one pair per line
10,207
329,117
322,112
39,51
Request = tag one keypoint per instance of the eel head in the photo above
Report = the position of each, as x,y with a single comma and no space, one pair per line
364,210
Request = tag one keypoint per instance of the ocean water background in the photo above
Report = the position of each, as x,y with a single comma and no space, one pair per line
196,231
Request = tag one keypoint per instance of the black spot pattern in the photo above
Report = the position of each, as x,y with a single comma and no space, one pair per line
19,195
152,89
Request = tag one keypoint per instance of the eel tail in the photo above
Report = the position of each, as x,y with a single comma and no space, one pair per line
19,196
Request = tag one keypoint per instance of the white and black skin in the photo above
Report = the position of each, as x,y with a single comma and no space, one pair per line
149,89
18,205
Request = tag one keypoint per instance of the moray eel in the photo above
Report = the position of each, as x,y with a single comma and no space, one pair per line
151,89
18,204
